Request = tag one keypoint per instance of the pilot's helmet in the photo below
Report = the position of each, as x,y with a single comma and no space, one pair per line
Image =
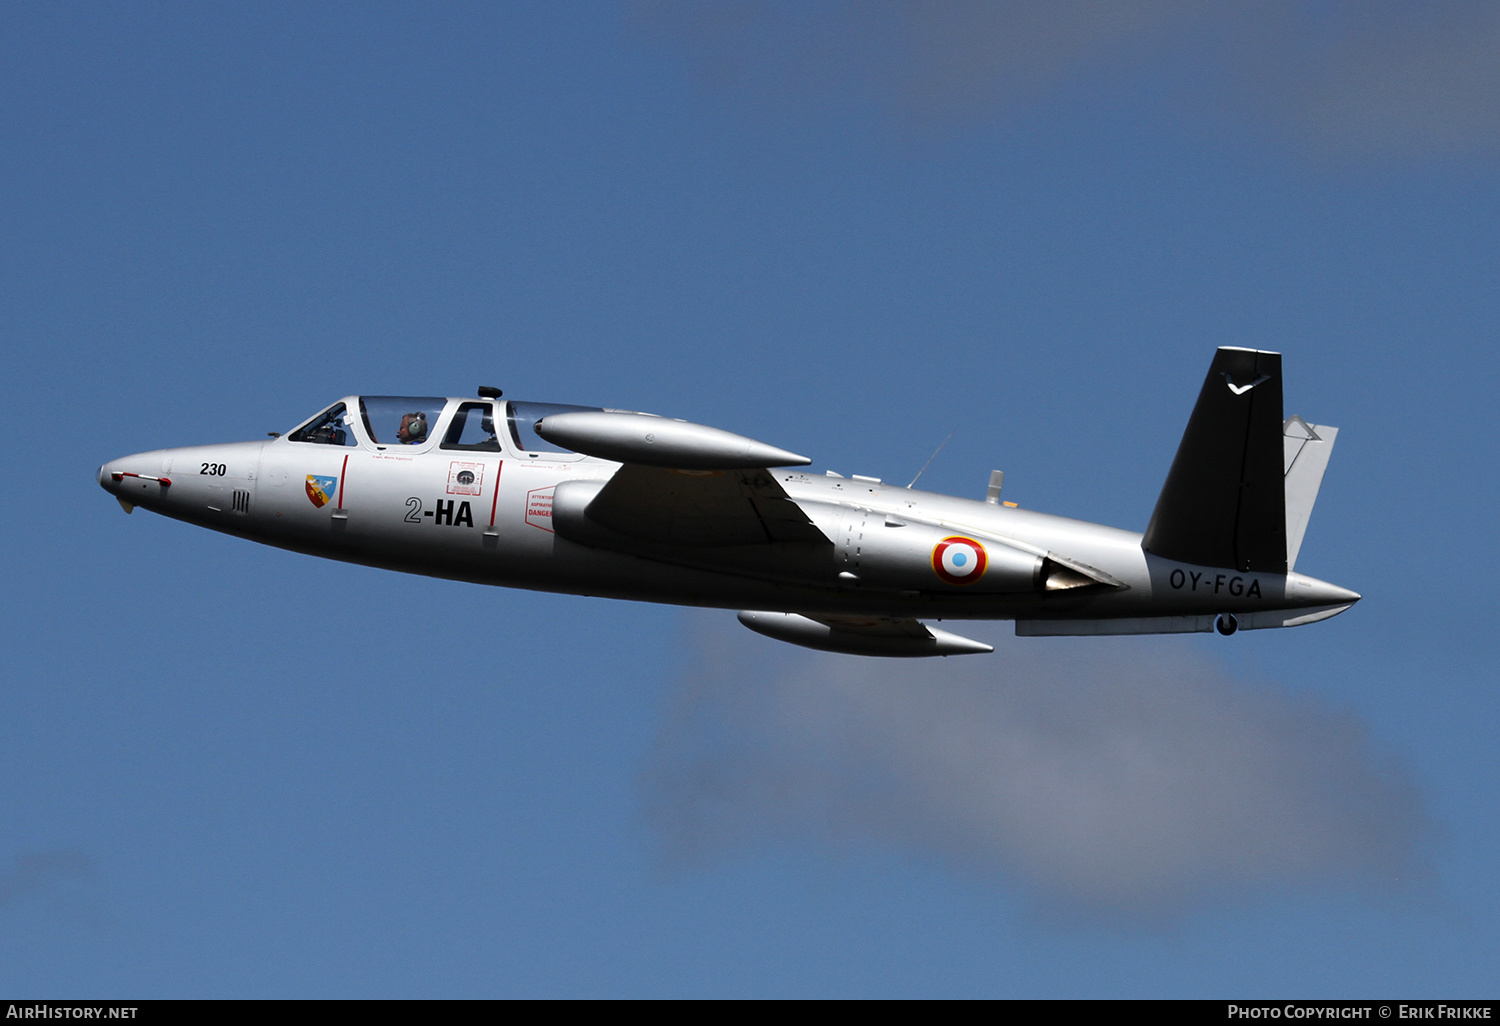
413,428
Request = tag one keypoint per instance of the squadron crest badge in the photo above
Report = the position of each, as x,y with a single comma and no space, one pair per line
321,489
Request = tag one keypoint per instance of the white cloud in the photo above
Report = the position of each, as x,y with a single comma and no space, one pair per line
1375,79
1110,776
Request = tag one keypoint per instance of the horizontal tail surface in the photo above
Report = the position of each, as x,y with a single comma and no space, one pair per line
1306,451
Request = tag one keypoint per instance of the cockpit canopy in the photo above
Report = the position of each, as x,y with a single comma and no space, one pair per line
400,419
395,420
331,427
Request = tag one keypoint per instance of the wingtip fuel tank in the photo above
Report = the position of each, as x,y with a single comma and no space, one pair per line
869,636
658,442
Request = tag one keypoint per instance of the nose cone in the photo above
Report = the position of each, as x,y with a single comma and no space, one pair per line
136,480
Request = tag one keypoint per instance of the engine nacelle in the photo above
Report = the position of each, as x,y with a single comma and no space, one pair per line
870,549
887,551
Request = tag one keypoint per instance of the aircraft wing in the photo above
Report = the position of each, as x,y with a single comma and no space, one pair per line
701,507
683,483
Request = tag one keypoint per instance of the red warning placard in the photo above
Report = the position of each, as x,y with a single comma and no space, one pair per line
465,478
539,508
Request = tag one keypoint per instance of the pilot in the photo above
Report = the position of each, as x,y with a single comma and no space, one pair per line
413,428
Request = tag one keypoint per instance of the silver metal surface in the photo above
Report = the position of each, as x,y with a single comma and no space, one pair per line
992,493
1306,450
658,442
868,637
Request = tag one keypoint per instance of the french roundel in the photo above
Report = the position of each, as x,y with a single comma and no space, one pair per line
959,560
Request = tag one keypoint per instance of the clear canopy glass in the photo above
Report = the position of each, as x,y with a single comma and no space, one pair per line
331,427
523,418
473,429
400,419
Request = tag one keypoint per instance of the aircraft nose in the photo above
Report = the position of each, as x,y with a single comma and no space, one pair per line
105,481
135,480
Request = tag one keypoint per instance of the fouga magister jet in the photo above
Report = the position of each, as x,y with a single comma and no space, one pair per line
629,505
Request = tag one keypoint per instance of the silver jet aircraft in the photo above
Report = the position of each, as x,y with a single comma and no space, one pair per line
628,505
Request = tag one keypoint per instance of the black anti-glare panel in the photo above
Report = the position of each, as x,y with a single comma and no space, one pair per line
1224,503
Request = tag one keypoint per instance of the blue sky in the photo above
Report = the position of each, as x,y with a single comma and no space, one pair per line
847,230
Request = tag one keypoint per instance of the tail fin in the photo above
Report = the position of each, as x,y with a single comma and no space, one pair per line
1223,502
1307,448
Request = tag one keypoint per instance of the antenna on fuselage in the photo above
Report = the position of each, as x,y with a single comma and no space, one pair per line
932,457
489,392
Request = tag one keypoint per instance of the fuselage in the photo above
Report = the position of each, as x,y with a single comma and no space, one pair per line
478,506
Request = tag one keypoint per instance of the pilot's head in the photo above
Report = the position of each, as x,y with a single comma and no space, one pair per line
413,428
